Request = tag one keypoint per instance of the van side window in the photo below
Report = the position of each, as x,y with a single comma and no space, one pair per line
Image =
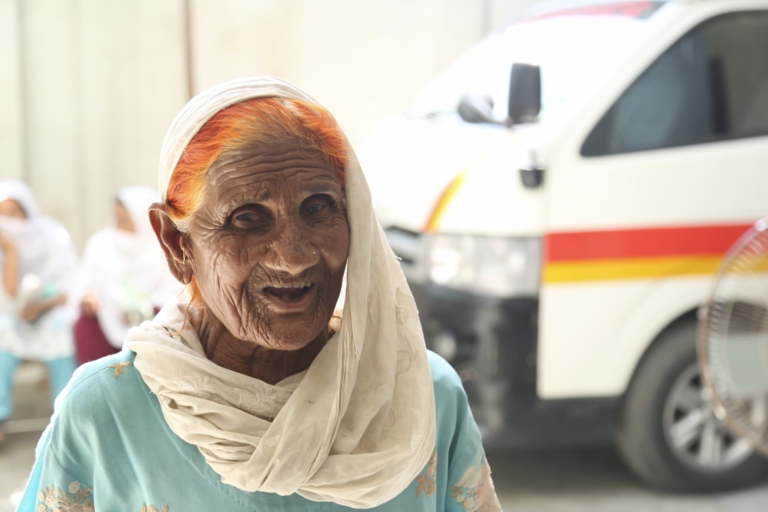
711,85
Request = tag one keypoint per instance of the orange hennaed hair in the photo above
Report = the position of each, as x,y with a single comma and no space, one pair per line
256,121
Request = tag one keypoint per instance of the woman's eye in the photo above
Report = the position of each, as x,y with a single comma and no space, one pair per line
247,218
317,206
314,208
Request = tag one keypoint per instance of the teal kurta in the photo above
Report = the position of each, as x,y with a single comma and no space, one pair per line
108,448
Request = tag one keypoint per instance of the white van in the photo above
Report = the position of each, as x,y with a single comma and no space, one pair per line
561,197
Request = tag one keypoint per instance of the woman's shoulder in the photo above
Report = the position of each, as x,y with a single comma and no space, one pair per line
457,472
104,235
106,386
55,229
99,402
445,379
100,369
97,242
451,404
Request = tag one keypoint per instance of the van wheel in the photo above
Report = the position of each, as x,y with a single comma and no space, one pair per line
668,434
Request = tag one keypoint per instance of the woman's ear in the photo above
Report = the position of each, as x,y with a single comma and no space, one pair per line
172,242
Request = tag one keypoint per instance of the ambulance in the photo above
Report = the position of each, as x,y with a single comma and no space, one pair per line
560,198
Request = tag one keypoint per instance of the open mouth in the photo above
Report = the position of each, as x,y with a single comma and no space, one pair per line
288,293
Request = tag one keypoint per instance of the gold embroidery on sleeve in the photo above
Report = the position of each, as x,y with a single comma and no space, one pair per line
77,499
474,491
426,481
153,508
119,367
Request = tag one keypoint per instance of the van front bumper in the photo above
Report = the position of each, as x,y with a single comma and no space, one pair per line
492,343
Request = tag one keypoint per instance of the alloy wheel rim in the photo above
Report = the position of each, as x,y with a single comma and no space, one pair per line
696,437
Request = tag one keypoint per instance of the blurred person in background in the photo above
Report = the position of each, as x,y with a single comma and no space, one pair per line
246,397
124,277
39,267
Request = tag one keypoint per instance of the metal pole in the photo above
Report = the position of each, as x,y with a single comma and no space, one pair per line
22,86
188,48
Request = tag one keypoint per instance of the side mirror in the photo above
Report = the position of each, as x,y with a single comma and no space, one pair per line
524,93
474,108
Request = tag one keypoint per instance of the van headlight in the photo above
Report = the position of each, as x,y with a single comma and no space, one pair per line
486,265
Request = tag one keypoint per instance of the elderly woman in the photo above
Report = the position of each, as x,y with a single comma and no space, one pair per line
38,267
245,398
124,279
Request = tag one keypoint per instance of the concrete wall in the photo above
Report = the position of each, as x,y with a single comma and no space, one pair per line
88,87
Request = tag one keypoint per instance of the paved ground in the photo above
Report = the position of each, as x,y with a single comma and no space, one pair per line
17,455
539,481
591,480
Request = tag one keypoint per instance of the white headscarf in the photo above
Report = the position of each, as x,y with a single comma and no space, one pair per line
137,199
359,425
43,245
117,263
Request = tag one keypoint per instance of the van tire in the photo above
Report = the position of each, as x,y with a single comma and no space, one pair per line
641,439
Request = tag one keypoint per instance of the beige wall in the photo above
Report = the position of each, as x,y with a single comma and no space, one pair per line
11,126
100,81
88,87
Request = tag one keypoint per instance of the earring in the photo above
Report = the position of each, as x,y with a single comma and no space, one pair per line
184,260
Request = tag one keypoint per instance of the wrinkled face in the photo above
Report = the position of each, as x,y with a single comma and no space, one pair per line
269,244
11,208
123,221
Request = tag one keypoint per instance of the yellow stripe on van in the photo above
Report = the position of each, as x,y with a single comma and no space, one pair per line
639,268
442,204
433,223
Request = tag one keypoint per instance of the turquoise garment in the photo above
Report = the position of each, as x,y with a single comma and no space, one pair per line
108,448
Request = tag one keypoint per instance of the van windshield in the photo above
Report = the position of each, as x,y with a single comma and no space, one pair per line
574,50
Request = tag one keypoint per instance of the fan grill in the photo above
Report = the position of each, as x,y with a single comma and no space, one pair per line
733,339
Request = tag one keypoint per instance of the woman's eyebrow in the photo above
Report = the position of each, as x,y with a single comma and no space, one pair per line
319,189
264,194
319,186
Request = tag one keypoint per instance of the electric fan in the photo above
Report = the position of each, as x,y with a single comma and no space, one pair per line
733,339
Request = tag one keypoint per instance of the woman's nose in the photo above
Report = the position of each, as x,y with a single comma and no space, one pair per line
292,252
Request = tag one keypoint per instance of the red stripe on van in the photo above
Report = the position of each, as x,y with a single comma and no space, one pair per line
640,243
